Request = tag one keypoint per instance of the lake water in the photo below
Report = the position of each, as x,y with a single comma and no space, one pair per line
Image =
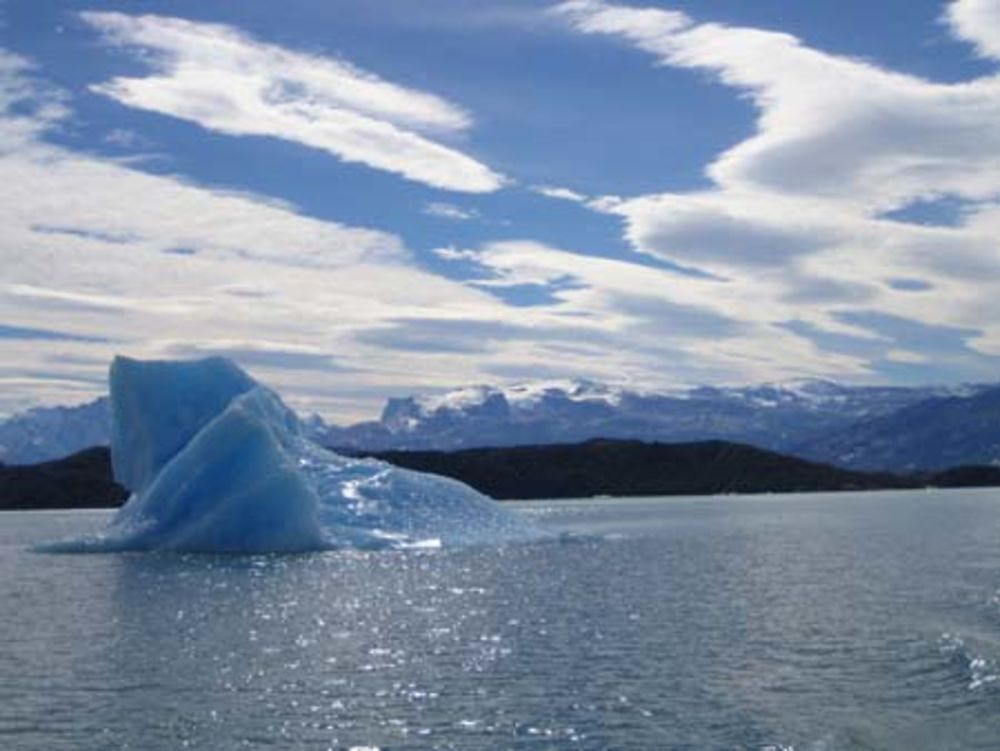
852,621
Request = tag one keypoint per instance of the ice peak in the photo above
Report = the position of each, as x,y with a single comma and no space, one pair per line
157,406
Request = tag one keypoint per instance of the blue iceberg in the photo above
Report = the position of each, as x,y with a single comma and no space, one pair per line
217,463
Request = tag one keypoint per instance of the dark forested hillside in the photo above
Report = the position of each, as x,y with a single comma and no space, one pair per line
599,467
82,480
629,468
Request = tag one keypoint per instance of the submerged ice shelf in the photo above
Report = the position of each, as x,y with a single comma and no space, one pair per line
217,463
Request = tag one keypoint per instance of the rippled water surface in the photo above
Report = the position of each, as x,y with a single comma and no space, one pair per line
855,621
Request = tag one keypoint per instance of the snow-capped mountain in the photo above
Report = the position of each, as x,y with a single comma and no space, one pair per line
933,434
869,427
778,416
44,433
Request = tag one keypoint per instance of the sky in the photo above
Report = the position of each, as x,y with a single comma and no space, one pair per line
359,200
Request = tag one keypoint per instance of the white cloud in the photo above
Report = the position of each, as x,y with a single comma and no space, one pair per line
723,232
650,28
564,194
82,255
704,330
27,111
310,306
829,128
903,356
451,253
793,230
795,223
443,210
86,197
977,21
229,82
335,317
124,138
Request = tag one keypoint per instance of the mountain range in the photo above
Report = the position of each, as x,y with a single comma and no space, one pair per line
45,433
889,428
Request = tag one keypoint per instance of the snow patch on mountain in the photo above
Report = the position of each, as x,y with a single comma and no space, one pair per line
519,396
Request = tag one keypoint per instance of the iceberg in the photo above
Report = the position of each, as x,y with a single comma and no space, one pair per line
216,462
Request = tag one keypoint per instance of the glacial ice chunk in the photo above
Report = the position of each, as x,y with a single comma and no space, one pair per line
217,463
154,413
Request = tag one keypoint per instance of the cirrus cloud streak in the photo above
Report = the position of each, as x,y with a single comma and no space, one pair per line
228,82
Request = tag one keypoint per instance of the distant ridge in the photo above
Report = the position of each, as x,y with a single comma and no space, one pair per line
597,467
785,417
931,435
871,428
